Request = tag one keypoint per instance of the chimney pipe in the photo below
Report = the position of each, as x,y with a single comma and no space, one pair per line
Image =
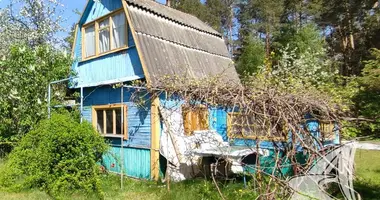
168,3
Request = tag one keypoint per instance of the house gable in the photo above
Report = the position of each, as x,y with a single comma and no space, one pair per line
115,66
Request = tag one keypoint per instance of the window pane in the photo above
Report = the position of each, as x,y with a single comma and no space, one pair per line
100,120
109,121
90,41
119,33
104,36
118,121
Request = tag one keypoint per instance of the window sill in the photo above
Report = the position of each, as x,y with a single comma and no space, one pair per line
106,53
113,136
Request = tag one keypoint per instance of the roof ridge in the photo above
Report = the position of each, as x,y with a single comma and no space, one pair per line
134,2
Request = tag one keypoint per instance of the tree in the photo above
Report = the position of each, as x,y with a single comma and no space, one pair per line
252,57
25,73
33,22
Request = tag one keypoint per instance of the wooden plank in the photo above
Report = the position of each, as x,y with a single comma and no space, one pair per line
114,121
83,43
104,122
94,118
139,52
75,41
111,32
125,123
96,38
155,140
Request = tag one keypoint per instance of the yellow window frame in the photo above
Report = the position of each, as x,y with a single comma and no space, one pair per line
110,27
243,135
112,107
195,119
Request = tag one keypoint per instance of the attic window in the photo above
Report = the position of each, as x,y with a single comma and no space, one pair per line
105,35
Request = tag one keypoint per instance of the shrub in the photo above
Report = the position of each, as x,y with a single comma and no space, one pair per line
59,156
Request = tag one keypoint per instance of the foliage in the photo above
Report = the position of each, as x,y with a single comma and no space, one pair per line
301,40
308,68
252,57
31,22
25,74
59,155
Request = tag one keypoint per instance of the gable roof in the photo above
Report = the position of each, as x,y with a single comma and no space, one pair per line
173,43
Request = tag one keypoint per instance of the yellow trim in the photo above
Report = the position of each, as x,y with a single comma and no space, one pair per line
139,52
155,139
115,12
95,22
111,107
243,136
195,119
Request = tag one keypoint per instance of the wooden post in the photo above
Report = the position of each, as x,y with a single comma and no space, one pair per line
155,139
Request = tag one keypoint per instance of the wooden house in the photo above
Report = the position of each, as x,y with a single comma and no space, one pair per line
121,41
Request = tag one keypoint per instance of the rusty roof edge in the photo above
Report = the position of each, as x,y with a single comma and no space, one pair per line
182,45
217,34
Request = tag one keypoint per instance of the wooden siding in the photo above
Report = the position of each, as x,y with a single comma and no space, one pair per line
138,118
111,68
136,161
115,67
101,8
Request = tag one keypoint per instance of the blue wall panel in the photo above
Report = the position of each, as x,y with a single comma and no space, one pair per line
100,8
136,161
112,68
138,116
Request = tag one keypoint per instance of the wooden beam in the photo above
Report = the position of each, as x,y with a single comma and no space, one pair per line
75,41
138,47
155,140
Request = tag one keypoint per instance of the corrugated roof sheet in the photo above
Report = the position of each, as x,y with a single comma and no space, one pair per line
173,14
179,44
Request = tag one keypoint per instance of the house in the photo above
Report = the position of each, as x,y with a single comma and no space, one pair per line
118,42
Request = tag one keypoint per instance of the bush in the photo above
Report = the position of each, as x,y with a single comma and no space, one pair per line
59,156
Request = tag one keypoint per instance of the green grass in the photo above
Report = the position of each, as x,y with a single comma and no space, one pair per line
143,190
367,183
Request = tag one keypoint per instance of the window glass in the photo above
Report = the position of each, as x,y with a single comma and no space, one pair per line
90,41
118,31
109,121
118,121
104,36
100,120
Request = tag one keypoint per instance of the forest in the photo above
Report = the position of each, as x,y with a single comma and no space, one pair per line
331,44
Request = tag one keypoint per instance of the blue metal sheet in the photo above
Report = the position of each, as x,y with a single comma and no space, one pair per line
136,161
138,116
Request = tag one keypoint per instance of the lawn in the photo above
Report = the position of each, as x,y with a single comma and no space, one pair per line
367,168
367,183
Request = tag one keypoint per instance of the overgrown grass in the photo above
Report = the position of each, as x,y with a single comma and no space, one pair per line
367,167
367,183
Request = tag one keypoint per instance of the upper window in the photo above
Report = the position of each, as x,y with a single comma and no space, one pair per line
104,35
108,120
195,119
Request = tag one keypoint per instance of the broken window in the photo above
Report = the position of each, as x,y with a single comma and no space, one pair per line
195,119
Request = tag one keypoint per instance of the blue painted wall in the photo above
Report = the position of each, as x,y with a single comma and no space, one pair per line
137,146
138,116
111,68
136,161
